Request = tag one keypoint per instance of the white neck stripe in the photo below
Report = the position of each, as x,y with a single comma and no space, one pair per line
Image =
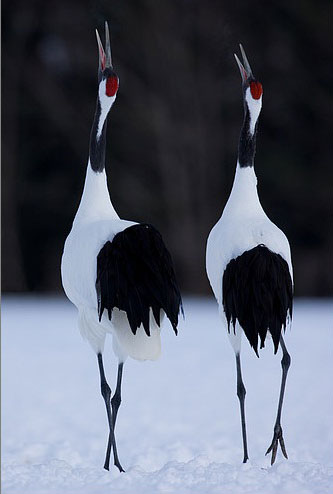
106,102
254,106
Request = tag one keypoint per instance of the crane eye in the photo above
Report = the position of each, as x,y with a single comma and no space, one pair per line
256,89
112,85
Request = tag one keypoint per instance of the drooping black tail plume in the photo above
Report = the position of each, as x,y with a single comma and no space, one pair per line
257,291
135,273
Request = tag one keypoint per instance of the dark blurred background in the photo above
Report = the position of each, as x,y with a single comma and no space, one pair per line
173,131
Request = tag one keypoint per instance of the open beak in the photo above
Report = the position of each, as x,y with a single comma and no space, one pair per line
244,67
105,59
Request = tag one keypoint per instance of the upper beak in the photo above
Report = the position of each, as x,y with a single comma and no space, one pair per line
244,67
105,59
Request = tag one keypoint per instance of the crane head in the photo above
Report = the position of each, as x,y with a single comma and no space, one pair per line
251,86
107,78
252,90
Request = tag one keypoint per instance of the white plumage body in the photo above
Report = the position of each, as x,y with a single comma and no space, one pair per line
95,223
242,226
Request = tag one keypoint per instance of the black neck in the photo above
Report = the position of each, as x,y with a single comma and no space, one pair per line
97,145
247,141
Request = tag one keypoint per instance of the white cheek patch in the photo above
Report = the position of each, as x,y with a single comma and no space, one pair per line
106,103
254,106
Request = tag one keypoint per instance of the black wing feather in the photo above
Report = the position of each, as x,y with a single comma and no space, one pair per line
258,292
135,273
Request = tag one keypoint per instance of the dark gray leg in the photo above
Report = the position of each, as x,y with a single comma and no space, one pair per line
116,399
115,403
278,437
241,392
106,393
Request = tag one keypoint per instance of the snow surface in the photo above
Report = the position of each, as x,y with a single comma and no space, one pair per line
178,426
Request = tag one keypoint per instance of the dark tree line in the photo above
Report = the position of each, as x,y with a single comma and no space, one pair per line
173,131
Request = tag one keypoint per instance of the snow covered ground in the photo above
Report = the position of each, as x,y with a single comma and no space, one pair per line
178,426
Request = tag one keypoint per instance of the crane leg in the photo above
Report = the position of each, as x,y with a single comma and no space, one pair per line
115,404
278,437
116,399
106,393
241,392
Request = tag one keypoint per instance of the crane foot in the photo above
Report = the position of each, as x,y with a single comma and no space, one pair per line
277,439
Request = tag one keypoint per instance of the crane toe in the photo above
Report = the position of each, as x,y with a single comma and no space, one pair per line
277,439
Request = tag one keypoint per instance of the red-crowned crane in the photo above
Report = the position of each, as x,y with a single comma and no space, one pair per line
248,261
117,273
